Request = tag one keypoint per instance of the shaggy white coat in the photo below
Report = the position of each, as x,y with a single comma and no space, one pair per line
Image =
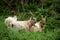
9,20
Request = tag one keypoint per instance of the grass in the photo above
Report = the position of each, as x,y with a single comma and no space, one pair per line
9,34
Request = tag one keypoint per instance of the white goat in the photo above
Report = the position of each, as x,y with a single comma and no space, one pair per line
43,22
8,21
24,24
39,26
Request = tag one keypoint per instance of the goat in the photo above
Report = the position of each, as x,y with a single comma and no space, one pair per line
8,21
24,24
43,22
39,26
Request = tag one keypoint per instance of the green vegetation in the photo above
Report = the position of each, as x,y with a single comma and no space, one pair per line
49,8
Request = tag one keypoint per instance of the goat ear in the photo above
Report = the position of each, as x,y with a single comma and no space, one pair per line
31,18
13,13
18,13
42,16
45,16
32,14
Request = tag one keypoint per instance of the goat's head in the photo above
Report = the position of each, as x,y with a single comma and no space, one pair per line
32,20
42,21
14,14
43,18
